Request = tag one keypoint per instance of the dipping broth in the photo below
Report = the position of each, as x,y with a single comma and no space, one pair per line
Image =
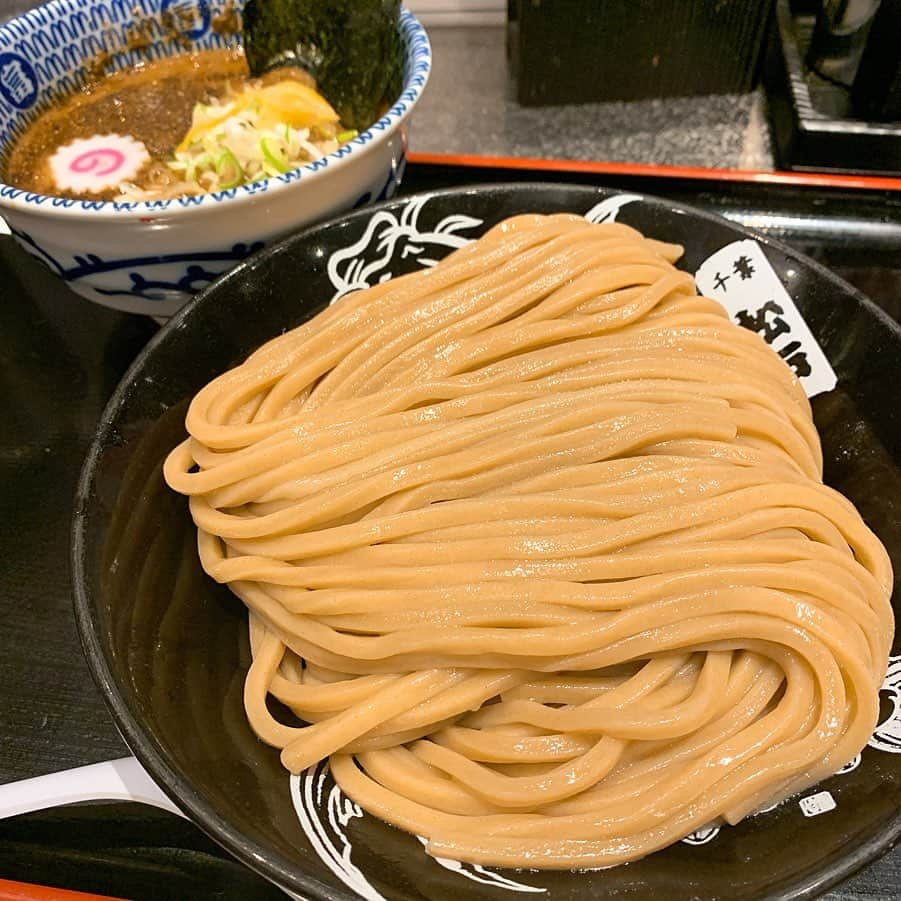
187,124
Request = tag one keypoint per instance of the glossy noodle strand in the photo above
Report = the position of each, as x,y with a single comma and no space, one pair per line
535,545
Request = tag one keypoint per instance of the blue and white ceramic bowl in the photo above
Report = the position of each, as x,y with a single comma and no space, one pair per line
151,257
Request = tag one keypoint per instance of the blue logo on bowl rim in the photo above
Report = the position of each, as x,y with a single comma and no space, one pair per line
18,81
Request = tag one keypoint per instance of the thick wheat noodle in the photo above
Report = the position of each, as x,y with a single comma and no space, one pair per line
536,547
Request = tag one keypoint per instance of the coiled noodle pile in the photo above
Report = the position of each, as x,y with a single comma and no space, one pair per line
535,543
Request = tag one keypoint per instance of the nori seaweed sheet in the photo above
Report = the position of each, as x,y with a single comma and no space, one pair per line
351,47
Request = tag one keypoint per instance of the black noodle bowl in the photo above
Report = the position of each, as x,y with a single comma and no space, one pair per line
169,647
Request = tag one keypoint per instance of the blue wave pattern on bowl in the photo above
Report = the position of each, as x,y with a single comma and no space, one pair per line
38,49
193,279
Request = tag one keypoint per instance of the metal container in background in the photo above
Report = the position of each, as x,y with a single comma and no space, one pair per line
818,123
876,93
839,38
583,51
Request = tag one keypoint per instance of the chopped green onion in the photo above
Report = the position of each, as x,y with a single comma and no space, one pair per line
229,170
231,144
274,155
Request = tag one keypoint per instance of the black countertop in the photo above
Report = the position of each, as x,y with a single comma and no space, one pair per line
60,358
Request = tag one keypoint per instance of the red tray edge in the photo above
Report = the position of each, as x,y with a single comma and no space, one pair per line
24,891
601,167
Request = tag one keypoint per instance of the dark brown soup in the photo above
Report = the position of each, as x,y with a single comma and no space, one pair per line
152,104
